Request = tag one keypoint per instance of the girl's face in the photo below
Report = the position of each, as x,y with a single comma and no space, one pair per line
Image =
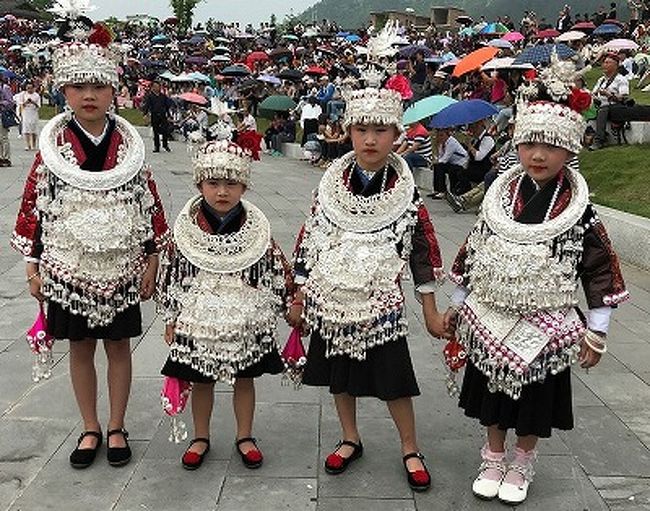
542,162
221,194
89,102
372,144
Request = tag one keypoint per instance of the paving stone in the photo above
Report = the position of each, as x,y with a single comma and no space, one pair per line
624,493
256,493
621,454
25,447
354,504
638,420
164,485
609,388
635,356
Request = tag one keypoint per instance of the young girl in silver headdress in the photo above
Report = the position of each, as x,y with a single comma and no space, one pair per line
90,226
367,223
517,274
221,290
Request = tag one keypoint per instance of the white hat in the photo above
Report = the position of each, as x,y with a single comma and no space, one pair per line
373,106
222,159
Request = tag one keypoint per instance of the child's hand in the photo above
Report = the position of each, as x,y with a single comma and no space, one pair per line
148,284
588,357
449,320
294,315
169,333
35,286
435,323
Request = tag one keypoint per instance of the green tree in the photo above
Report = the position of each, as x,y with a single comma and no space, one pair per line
184,11
41,5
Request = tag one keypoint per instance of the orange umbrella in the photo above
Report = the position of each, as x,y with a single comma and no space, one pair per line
474,60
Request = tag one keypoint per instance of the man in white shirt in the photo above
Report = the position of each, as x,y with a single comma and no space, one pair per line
452,159
309,115
610,89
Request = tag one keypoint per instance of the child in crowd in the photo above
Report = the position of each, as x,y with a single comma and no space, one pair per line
221,289
90,226
367,223
515,305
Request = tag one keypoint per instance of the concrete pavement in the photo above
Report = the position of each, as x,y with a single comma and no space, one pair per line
603,464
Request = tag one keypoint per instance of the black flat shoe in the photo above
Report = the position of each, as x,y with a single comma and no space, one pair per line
419,480
254,457
337,464
83,458
193,460
118,456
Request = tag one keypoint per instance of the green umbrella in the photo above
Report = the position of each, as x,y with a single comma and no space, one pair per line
278,103
426,108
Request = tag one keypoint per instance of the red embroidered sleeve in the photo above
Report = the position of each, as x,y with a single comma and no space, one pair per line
458,268
426,260
26,233
161,232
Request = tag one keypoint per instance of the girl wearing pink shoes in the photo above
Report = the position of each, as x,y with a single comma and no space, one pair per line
515,305
221,290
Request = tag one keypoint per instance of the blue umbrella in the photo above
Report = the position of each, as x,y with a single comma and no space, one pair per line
426,107
160,38
607,29
541,54
463,112
352,38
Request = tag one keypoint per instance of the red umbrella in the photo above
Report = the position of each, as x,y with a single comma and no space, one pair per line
193,97
549,32
584,25
316,70
474,60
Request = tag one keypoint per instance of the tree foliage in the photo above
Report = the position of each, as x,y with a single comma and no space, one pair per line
184,11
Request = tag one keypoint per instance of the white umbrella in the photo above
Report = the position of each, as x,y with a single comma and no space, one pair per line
621,44
571,35
500,43
504,63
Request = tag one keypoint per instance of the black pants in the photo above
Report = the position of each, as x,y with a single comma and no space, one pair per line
310,126
462,181
158,131
440,170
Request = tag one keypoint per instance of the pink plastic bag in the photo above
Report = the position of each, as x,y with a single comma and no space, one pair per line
174,396
40,342
294,358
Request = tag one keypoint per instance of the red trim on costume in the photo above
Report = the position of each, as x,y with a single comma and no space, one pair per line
433,253
111,156
158,220
25,233
619,294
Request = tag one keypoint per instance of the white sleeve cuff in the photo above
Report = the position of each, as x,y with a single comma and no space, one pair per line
29,259
428,287
598,319
299,279
459,295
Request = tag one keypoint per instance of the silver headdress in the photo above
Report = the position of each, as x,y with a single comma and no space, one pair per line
551,108
87,55
380,49
373,106
222,159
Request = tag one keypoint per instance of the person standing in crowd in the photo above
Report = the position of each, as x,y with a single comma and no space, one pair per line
28,105
366,223
90,226
514,309
157,106
612,88
221,289
311,112
6,105
480,148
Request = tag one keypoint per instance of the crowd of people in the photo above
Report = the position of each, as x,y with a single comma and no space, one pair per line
220,280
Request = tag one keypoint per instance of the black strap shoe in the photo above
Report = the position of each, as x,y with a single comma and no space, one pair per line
192,460
419,480
83,458
337,464
118,456
254,457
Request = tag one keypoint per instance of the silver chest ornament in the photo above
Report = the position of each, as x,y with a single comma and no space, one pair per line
353,295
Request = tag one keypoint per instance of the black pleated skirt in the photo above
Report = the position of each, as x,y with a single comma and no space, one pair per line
541,407
62,324
386,373
271,363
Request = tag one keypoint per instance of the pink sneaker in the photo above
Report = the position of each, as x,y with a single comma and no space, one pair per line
514,488
490,474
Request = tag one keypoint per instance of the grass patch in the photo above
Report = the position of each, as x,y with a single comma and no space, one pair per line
618,177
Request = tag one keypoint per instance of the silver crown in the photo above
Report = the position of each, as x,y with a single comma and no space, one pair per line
222,159
549,123
85,63
373,106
